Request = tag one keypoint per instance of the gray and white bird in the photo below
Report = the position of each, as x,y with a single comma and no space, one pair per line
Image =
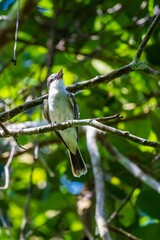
60,107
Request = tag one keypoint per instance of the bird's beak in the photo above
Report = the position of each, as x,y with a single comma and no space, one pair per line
60,74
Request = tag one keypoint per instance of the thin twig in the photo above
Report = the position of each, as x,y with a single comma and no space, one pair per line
123,203
14,60
104,78
152,72
5,225
99,183
9,134
4,129
105,119
51,45
123,232
147,36
4,116
5,155
6,168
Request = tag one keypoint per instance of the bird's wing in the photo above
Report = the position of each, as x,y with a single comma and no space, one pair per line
45,110
74,106
46,115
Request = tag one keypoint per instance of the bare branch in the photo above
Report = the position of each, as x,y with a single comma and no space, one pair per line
135,170
152,72
14,60
77,123
8,27
147,36
101,205
5,129
4,116
5,226
124,134
9,134
117,117
123,233
51,44
123,203
6,168
99,79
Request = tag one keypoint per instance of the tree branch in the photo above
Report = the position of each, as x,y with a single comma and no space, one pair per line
123,233
5,226
134,169
123,203
14,60
104,78
8,133
147,36
77,123
6,168
8,27
4,116
101,205
152,72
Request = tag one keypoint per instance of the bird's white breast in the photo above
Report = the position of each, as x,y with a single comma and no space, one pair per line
60,110
59,106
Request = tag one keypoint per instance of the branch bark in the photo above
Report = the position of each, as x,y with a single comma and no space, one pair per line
77,123
4,116
134,169
148,36
152,72
101,205
122,232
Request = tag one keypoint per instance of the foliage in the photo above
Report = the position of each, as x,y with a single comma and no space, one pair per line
86,38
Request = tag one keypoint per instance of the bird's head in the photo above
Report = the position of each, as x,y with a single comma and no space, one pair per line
54,77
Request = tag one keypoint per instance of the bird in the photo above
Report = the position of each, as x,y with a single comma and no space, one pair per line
60,107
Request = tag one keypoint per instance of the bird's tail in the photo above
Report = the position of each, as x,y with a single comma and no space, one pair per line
77,163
